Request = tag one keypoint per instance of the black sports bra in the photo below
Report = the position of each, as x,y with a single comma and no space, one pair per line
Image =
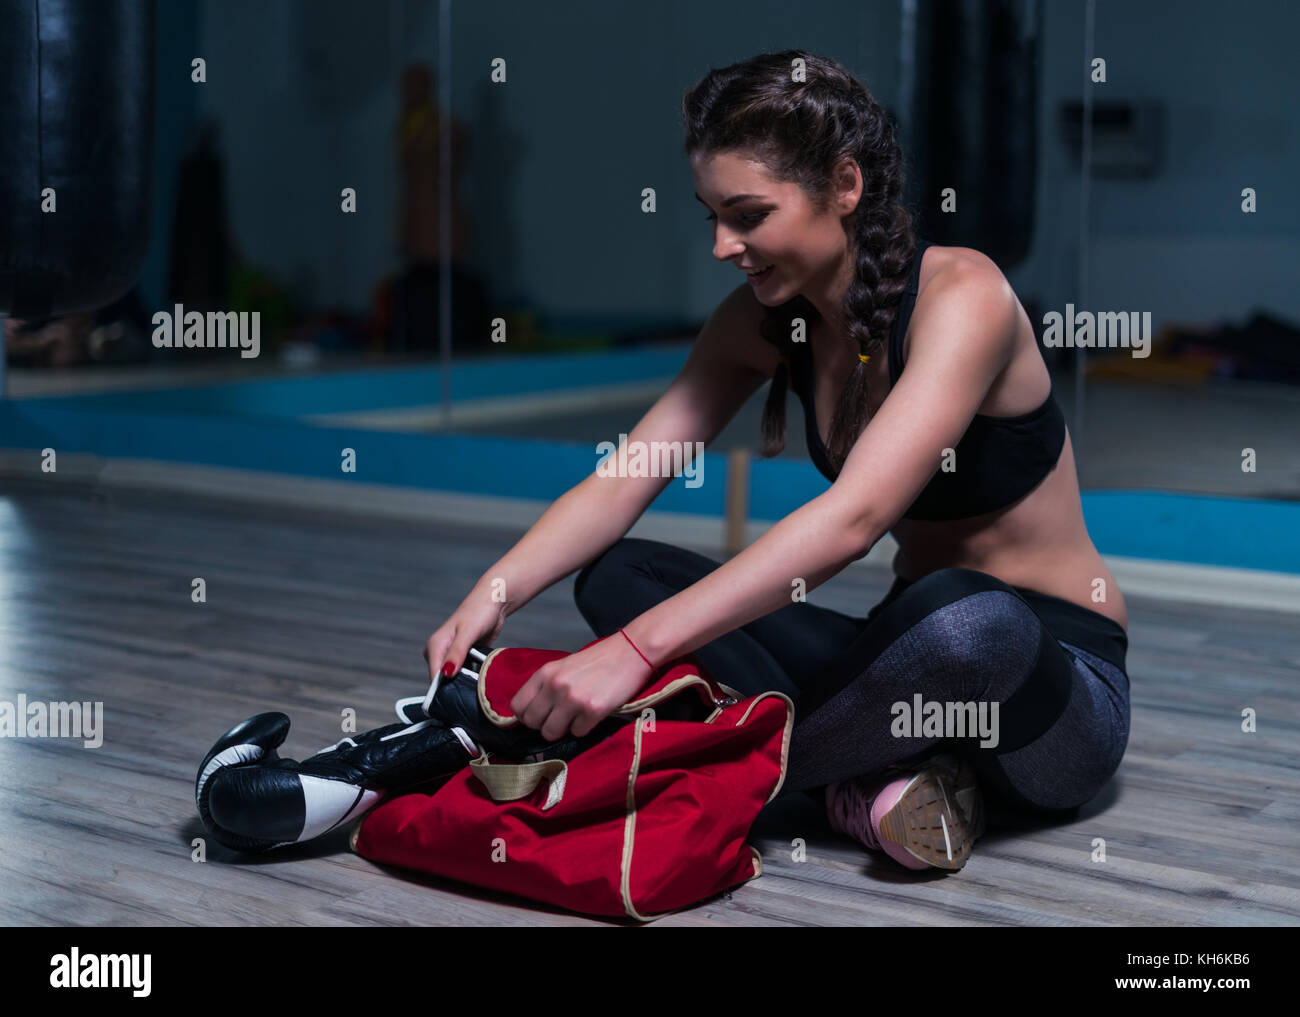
999,459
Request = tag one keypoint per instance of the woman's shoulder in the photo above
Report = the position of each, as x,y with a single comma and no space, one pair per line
961,284
960,272
950,265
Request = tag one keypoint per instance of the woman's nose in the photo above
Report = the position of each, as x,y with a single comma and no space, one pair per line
725,245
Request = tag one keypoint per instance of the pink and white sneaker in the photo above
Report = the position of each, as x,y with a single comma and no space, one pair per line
924,818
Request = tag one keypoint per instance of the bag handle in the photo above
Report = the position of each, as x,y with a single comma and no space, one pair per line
508,782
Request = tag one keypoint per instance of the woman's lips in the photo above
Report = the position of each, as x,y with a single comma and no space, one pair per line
761,277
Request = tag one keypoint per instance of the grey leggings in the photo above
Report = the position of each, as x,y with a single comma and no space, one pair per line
955,636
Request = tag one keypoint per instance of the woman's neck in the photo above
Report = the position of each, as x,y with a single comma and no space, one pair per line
828,295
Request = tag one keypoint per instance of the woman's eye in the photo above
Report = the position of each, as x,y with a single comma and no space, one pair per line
749,220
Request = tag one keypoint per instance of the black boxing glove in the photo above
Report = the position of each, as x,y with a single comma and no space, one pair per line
252,800
453,702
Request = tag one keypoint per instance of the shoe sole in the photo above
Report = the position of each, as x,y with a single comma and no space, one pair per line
931,823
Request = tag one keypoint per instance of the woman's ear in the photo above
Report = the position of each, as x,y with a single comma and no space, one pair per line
846,181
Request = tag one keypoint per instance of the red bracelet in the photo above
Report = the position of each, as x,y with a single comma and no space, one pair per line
639,653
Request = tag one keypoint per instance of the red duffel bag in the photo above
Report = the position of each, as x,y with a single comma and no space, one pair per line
652,819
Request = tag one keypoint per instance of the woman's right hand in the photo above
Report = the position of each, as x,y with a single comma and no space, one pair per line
477,621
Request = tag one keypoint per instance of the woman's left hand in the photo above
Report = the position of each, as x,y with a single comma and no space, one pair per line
577,692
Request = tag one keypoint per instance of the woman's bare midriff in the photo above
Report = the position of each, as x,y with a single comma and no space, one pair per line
1038,543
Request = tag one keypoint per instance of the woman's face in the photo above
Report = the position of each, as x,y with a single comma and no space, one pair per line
762,223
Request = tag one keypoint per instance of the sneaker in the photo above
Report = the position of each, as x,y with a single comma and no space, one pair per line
926,818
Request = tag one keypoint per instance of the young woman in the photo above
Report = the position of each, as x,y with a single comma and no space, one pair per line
942,430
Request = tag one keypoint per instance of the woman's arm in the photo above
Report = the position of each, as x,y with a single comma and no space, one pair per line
575,528
717,379
962,340
801,551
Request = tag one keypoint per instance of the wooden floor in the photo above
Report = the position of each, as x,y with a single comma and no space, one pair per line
313,613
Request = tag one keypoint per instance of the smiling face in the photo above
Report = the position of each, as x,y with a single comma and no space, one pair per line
763,223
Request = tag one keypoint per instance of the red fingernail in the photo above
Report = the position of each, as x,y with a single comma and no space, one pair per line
448,669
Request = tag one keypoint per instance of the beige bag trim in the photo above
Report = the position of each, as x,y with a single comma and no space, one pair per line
629,824
671,689
509,782
629,835
785,736
488,712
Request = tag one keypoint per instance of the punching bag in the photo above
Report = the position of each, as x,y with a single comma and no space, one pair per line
973,121
76,140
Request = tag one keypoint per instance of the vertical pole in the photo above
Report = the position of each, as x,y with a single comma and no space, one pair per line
907,74
1085,180
4,378
399,328
444,205
737,501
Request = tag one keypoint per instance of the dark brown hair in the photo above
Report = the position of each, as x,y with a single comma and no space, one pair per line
800,129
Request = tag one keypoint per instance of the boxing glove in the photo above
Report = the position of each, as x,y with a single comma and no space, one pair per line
453,702
250,799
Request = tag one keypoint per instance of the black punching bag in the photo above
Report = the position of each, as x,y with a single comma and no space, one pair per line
76,118
973,123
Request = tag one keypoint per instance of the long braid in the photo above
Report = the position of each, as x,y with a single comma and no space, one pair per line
801,130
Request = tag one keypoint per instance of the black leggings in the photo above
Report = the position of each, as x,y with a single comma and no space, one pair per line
955,636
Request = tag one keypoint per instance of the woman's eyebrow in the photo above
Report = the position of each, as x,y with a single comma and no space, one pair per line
729,201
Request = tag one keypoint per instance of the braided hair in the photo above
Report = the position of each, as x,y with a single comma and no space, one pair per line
801,114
